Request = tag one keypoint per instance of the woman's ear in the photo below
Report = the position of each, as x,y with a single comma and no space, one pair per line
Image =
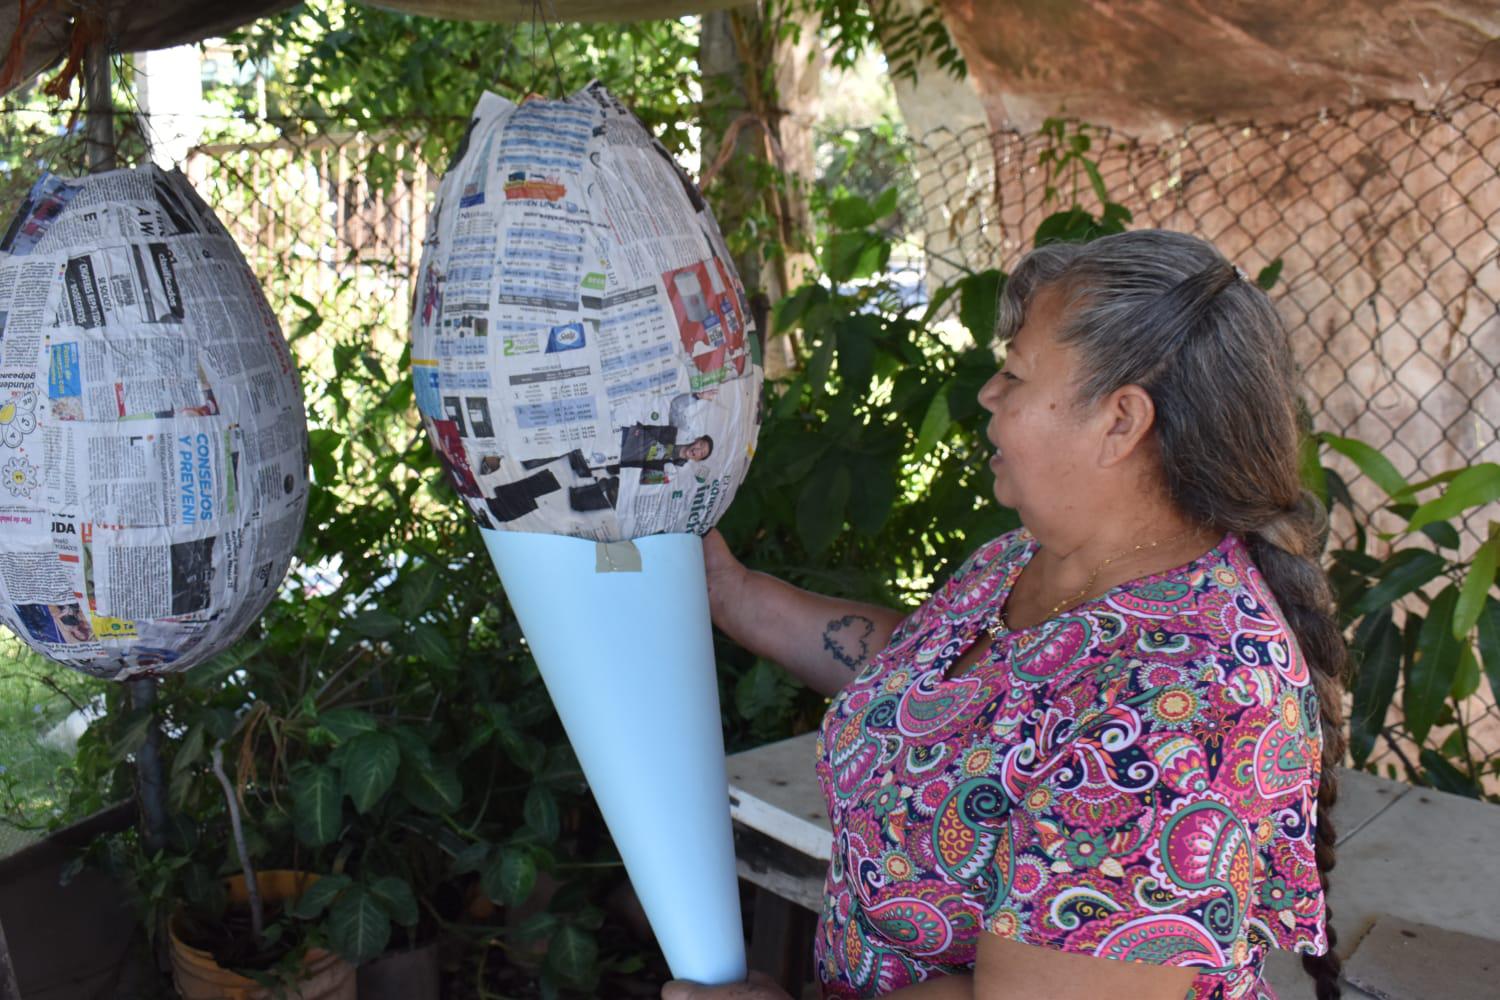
1128,414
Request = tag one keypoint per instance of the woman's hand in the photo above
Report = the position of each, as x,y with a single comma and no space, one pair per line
759,986
726,576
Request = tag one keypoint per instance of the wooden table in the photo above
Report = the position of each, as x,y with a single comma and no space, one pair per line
1414,865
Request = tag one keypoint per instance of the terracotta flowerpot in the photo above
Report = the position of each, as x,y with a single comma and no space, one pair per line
402,975
198,976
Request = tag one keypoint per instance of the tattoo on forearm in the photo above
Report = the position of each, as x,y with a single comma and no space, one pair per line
846,639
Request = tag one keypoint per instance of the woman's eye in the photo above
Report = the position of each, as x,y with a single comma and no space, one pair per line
1009,377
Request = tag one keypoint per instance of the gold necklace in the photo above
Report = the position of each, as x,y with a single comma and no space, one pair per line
997,622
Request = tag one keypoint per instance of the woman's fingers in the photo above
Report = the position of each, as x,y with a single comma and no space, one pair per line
759,987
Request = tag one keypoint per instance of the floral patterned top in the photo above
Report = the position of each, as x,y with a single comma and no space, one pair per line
1134,779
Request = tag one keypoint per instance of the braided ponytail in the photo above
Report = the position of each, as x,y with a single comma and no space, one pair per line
1284,550
1166,312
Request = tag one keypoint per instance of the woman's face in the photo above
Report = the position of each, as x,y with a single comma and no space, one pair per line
1044,445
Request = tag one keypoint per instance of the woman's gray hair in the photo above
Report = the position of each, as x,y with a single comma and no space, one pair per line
1165,311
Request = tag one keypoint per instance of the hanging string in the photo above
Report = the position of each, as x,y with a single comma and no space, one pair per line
537,17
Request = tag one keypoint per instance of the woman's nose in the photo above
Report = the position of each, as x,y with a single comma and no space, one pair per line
989,393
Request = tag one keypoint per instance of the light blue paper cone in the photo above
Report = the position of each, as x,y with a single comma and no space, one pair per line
628,659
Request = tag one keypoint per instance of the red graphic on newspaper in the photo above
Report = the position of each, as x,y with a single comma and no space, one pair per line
709,321
519,185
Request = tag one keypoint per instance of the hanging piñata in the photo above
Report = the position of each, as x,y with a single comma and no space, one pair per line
582,343
152,431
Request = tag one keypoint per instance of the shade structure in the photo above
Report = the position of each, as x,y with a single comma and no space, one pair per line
636,691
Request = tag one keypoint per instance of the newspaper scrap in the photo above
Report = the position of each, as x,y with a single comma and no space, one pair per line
153,441
582,345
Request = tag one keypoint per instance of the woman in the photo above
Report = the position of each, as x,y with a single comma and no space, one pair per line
1097,763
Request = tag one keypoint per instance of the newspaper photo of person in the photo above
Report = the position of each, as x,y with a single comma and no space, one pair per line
49,196
479,416
453,409
72,623
192,575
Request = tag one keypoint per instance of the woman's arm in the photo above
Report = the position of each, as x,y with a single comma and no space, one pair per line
1003,970
822,641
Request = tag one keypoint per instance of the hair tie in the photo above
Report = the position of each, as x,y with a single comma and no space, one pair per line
1241,274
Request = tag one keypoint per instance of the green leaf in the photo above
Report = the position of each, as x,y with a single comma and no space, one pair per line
1369,461
509,877
1402,573
370,768
540,811
1430,673
319,896
321,445
395,897
1377,647
1473,487
435,790
358,928
820,364
885,203
851,256
316,815
1443,533
852,212
573,954
1489,643
377,624
790,310
418,590
191,751
428,644
761,690
856,344
820,509
1476,588
880,483
935,422
1466,677
1310,468
1443,776
472,858
536,926
347,723
204,890
1268,275
1095,180
979,304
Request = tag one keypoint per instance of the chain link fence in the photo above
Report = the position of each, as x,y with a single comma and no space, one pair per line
1385,219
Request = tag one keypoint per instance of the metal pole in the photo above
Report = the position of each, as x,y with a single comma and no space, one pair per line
9,989
99,129
99,125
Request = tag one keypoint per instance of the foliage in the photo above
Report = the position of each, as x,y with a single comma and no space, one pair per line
328,58
865,162
1423,617
35,695
906,37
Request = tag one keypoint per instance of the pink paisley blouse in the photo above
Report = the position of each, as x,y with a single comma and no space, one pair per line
1135,779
